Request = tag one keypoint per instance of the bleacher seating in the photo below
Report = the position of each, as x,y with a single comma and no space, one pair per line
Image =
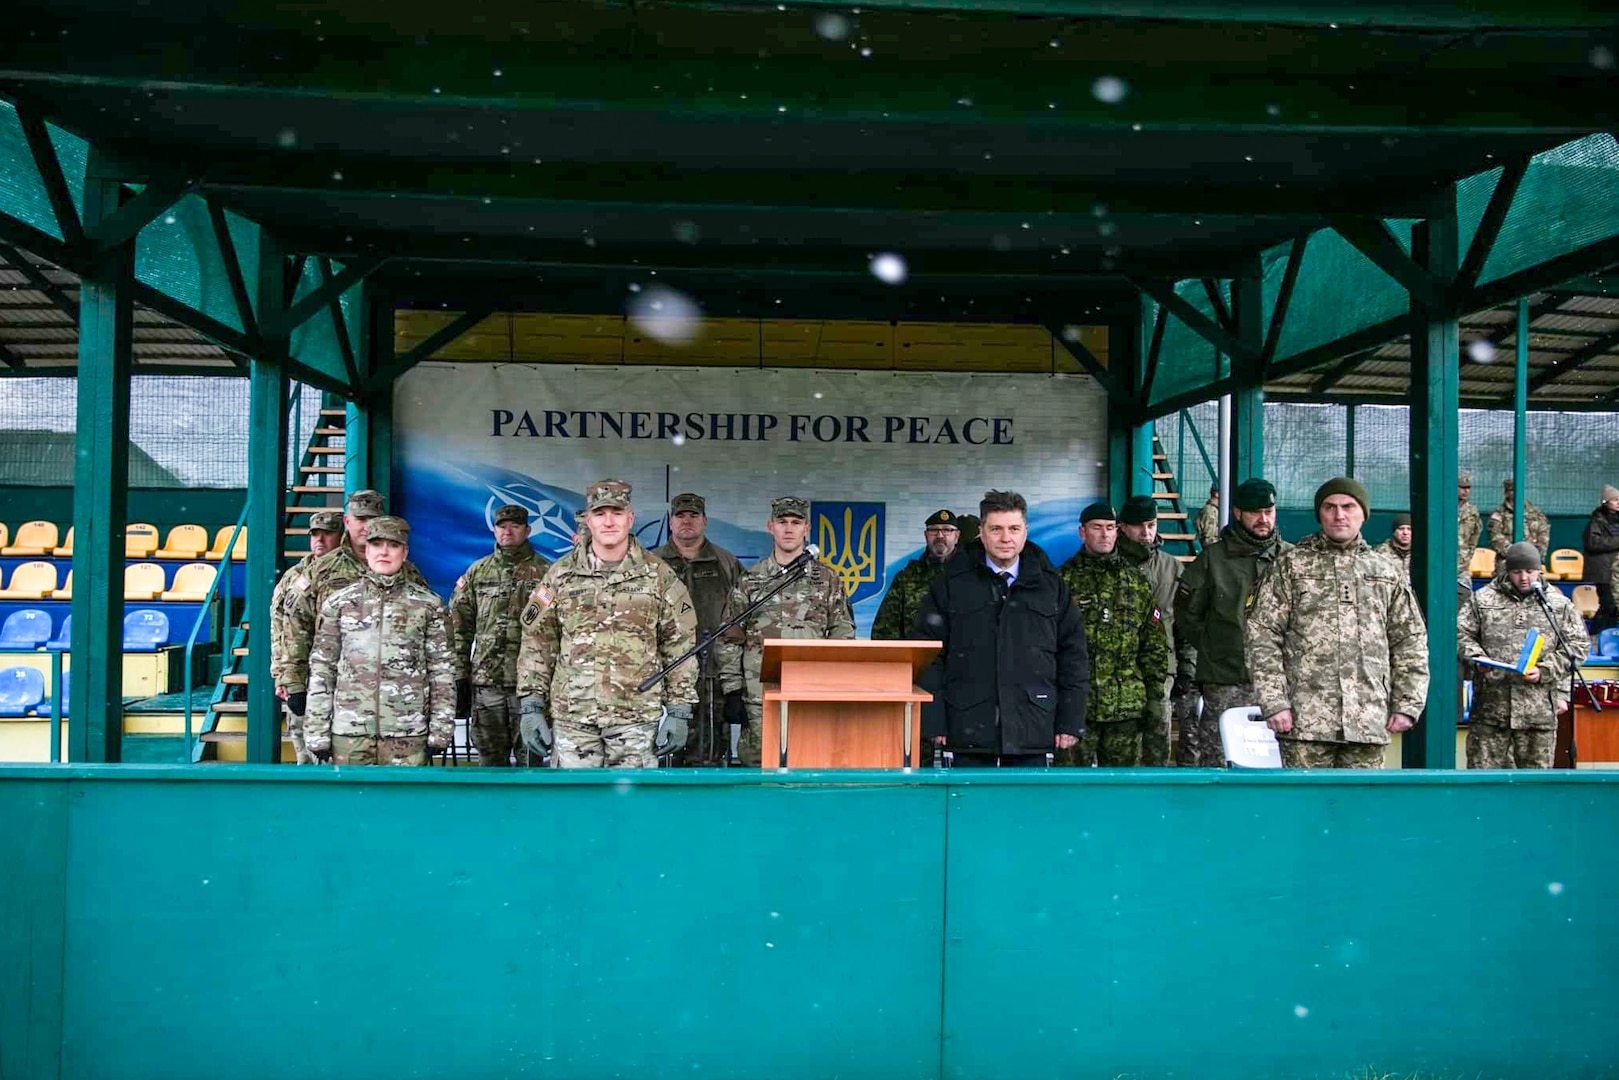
145,630
184,542
65,590
21,691
1586,601
1608,643
143,581
222,537
33,538
140,540
26,629
30,581
1565,564
1482,565
5,535
65,551
63,641
191,583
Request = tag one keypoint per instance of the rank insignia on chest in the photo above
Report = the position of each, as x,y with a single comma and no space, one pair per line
1348,596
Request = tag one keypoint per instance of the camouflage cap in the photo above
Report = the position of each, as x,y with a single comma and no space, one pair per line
941,518
688,503
366,504
789,506
388,528
511,513
326,521
1465,480
614,493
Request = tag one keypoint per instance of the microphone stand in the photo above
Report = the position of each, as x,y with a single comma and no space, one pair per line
1576,678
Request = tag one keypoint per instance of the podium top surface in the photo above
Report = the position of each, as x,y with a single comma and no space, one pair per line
919,654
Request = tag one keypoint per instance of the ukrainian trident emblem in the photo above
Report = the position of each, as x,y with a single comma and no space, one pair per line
851,538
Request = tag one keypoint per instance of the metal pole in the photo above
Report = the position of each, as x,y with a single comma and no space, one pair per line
1349,441
1224,439
1520,422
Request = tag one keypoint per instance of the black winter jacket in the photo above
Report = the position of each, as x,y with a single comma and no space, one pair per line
1014,672
1601,543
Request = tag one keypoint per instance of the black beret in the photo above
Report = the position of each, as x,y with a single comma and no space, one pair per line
942,517
1139,510
1097,511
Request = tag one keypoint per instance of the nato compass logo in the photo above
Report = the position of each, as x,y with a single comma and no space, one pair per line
852,539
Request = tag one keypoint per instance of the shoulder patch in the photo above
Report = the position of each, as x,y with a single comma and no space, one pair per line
301,582
1157,615
459,582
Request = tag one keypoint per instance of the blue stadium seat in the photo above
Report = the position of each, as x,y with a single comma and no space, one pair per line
21,689
145,630
26,629
45,706
1608,642
63,641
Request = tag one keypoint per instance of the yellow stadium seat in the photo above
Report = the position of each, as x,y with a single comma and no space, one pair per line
143,581
1586,601
184,542
1566,564
191,583
5,535
222,537
66,550
66,591
140,540
1482,564
34,538
31,581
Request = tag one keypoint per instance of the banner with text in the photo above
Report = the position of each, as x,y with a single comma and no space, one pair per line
874,452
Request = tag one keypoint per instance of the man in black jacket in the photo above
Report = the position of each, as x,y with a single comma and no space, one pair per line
1601,543
1013,674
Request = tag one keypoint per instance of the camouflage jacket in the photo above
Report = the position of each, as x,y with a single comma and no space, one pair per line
814,606
1469,523
1124,634
903,600
1403,557
1536,528
1208,524
1492,625
483,614
709,578
591,632
279,619
1334,634
1164,572
381,665
301,602
1212,602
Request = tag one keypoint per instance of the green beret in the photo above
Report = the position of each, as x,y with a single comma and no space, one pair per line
1254,493
1343,485
1139,510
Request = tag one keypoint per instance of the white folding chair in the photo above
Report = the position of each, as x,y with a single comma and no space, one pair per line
1247,742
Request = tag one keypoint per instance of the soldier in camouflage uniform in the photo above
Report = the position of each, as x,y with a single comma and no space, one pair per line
1469,523
1336,645
1398,545
325,531
709,573
896,617
608,615
1140,548
381,678
814,606
1129,650
1211,610
1208,518
1536,528
1514,719
488,599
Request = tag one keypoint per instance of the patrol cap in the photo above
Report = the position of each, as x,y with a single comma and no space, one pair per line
1254,493
1465,480
1401,519
789,506
1097,511
1506,485
388,528
1139,510
366,504
1523,556
941,518
615,493
511,513
326,521
688,503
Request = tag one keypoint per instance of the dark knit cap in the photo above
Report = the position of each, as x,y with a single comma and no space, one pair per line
1523,556
1139,510
1097,511
1401,519
1343,485
1253,494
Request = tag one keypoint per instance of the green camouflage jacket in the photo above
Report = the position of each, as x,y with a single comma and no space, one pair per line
1492,625
1124,632
483,614
812,607
1536,528
1212,602
301,601
906,592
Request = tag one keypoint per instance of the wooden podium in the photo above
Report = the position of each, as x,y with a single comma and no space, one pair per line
846,704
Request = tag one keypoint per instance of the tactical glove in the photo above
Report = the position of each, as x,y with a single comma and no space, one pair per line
1184,686
673,729
736,711
297,702
536,732
321,754
463,697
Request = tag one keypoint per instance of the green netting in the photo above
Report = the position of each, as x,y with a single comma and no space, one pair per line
244,235
22,193
1472,197
1304,445
1186,361
1382,455
1567,201
73,156
314,342
1186,461
179,256
1339,291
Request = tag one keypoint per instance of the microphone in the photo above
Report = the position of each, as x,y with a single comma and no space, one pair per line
1539,588
809,554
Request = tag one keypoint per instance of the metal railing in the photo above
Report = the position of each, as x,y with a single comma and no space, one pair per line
224,619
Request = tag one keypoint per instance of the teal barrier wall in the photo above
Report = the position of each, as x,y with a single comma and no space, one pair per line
172,923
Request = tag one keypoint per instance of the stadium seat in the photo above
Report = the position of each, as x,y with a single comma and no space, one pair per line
1566,564
1586,601
31,581
140,540
1482,564
143,581
184,542
145,630
65,551
21,689
222,537
1608,643
191,583
63,641
1248,743
34,538
5,535
26,629
65,590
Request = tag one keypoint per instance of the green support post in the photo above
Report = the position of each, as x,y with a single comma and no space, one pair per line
1126,346
101,488
1142,466
1349,441
368,461
267,494
1520,422
1435,433
1248,400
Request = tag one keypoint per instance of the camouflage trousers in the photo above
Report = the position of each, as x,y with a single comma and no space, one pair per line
1320,754
1204,747
618,744
495,732
295,731
1155,736
1490,746
368,750
1114,744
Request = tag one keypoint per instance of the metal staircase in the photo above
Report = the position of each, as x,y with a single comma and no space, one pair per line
1182,541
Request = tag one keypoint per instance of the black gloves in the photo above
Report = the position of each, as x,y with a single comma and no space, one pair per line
298,701
736,712
463,697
